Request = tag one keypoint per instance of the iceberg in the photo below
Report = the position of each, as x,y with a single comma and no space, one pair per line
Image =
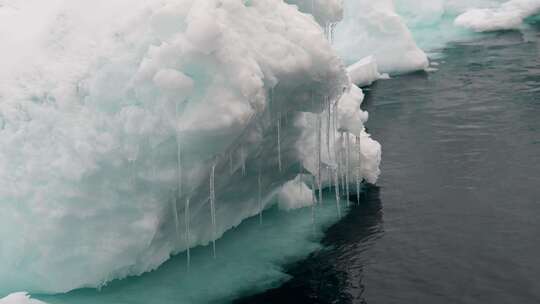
113,115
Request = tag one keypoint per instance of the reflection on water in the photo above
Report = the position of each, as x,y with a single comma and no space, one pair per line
334,274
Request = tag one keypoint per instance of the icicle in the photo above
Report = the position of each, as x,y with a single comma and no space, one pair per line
213,207
339,159
231,170
336,188
153,160
131,179
260,196
319,148
178,155
301,184
271,103
279,140
334,131
343,161
187,220
332,31
314,198
328,121
175,215
313,208
347,163
358,170
313,190
243,159
326,31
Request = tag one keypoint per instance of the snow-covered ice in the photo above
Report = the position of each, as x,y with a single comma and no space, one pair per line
373,28
113,114
509,15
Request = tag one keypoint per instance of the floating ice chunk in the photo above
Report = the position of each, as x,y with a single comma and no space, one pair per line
294,194
374,28
509,15
19,298
364,72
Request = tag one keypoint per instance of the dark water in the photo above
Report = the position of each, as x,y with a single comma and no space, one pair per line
455,217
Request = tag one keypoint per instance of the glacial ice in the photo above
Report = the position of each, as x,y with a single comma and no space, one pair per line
509,15
114,114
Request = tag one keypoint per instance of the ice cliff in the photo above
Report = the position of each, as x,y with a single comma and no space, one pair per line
113,115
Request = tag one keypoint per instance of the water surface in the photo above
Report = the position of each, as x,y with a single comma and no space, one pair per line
456,214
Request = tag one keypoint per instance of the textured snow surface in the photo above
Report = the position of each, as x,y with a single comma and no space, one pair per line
509,15
113,114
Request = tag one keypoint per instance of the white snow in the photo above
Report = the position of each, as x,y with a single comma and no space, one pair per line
365,72
294,194
509,15
373,28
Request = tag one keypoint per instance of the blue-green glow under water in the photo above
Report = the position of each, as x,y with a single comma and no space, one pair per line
250,259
